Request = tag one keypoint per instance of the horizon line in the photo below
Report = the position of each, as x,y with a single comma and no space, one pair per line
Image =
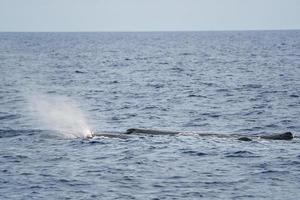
144,31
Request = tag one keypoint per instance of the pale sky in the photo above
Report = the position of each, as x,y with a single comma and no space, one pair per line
148,15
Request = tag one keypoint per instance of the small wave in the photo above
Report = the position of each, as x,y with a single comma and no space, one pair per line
94,142
222,90
163,63
273,172
213,115
15,132
272,126
177,69
254,112
14,157
156,86
224,182
26,174
254,86
196,123
8,133
197,95
185,54
10,117
150,107
57,158
79,72
241,154
194,153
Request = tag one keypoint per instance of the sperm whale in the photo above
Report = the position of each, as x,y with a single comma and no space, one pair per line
279,136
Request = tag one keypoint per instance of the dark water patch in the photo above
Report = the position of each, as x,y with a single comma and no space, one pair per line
292,127
155,185
93,171
118,65
200,119
252,86
217,183
163,63
196,124
247,196
150,107
157,86
5,171
142,58
51,92
222,90
96,142
255,112
129,115
58,158
212,115
197,95
26,174
13,133
6,133
62,180
35,187
115,118
80,72
46,175
292,163
266,93
186,54
101,157
14,157
10,117
113,82
209,84
296,105
241,154
256,129
267,172
272,126
177,69
286,121
194,153
259,106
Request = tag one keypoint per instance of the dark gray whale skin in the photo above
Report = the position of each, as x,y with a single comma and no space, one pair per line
283,136
280,136
150,131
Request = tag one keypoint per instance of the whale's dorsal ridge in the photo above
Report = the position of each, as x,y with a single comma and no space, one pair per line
130,130
282,136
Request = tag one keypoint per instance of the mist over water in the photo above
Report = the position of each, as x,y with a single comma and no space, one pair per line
60,114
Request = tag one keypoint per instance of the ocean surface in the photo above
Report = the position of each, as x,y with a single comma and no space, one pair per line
54,86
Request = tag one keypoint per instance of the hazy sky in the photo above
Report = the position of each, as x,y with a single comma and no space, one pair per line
148,15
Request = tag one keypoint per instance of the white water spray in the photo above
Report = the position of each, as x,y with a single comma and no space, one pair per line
60,114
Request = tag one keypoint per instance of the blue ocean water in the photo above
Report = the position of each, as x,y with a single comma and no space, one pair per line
216,82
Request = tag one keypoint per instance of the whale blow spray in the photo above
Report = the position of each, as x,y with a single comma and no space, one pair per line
60,114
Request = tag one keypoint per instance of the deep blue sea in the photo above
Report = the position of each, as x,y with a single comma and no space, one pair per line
53,85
